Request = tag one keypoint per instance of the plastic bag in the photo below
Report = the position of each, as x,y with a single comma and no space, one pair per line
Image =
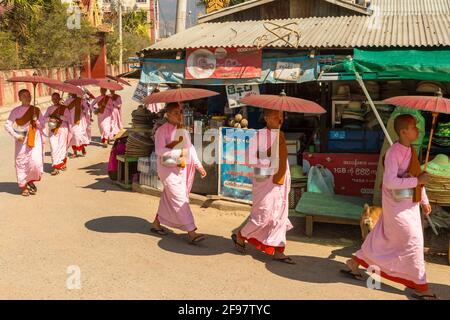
320,180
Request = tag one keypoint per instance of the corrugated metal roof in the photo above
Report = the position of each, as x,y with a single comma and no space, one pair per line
419,30
407,7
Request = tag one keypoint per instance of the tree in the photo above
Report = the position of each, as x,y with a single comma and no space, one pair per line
8,56
54,44
135,36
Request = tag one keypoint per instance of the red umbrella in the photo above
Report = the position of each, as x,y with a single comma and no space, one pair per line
282,102
435,105
34,79
119,80
66,87
110,85
82,82
178,95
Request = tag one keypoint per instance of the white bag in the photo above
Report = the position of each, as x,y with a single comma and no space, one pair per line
320,180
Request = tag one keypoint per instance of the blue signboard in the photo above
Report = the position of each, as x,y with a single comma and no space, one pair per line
235,178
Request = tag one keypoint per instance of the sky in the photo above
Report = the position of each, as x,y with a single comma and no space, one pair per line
168,10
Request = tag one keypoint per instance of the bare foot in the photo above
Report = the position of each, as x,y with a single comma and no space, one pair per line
195,237
279,256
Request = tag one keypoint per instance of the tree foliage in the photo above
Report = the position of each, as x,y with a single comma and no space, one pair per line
34,33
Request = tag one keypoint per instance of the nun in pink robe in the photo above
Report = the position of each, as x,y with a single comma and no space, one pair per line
396,244
59,141
105,117
268,223
174,210
29,161
78,130
116,116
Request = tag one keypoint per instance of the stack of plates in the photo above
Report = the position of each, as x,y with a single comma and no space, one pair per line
353,116
139,144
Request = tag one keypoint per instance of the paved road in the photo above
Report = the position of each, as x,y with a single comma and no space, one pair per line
80,222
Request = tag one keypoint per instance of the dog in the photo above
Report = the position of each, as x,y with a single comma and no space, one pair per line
369,219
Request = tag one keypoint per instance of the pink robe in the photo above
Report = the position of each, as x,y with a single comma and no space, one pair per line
174,210
269,222
105,118
396,243
116,117
29,161
59,141
78,134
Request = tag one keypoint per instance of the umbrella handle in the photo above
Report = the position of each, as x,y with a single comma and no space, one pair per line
435,115
374,109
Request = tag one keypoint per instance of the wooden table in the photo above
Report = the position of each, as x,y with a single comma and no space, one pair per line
339,209
124,170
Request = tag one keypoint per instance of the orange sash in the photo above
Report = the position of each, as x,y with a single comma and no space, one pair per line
76,103
59,111
28,117
414,170
103,103
280,177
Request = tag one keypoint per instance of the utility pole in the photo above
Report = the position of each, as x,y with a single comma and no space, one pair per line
181,16
120,38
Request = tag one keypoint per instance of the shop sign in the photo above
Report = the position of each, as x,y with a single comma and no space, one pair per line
223,63
235,178
237,92
288,71
141,92
354,173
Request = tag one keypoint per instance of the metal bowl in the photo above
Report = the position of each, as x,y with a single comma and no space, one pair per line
262,174
53,123
169,161
402,194
21,131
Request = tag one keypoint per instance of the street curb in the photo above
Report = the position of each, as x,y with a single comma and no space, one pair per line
196,199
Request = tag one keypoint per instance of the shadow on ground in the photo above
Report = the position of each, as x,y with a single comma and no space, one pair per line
120,224
319,270
9,187
98,169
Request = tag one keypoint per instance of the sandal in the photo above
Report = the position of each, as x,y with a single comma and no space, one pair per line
160,232
239,247
287,260
424,296
25,193
357,276
197,239
54,172
32,187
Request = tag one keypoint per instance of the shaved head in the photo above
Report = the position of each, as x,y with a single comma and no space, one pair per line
402,122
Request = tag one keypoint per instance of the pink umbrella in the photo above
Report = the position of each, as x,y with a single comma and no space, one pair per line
66,87
83,82
110,85
282,102
119,80
437,104
34,79
178,95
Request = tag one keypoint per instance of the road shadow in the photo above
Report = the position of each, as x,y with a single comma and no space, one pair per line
345,252
48,167
98,169
104,184
441,290
9,187
120,224
319,270
212,245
